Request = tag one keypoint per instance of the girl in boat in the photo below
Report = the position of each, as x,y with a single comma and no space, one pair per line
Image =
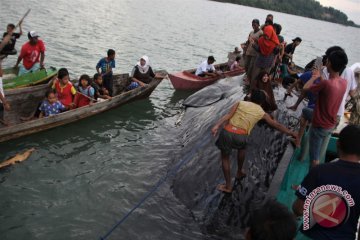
236,64
51,105
64,89
86,92
142,73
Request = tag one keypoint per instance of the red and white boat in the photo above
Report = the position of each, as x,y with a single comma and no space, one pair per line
187,80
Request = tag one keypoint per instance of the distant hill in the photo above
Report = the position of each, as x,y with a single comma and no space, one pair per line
305,8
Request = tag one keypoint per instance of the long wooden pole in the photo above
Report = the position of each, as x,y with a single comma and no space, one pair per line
92,99
7,38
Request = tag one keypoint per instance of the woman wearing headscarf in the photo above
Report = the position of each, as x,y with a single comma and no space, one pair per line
268,42
142,73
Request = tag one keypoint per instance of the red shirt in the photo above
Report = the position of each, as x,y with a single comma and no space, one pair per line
65,93
268,43
330,94
31,53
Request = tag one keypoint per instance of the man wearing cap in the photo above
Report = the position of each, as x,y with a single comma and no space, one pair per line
32,53
206,68
250,48
290,49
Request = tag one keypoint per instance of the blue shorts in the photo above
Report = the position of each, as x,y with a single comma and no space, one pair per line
23,70
316,141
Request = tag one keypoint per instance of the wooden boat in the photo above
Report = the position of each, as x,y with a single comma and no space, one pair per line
26,103
187,80
11,80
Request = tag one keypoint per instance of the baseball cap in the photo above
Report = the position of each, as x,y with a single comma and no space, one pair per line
33,34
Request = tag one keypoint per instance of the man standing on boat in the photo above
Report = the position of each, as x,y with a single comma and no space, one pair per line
329,97
239,122
289,50
206,68
106,65
9,48
348,75
32,54
250,48
329,196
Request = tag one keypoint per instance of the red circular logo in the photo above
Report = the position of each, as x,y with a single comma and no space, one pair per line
329,210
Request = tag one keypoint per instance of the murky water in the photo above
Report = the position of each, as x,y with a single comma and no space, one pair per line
86,176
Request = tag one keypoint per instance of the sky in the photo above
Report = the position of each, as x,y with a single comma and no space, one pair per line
350,7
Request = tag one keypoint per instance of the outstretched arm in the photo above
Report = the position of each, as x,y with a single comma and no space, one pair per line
42,58
20,27
138,81
278,126
315,75
18,61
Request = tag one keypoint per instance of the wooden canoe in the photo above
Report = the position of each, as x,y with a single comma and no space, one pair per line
11,80
187,80
35,94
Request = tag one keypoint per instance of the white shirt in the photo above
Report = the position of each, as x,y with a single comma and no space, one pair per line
349,76
1,88
204,67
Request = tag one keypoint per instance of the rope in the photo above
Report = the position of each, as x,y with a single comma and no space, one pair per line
172,172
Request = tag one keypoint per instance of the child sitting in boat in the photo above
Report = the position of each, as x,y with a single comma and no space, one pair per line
64,89
51,105
142,74
236,64
100,91
86,92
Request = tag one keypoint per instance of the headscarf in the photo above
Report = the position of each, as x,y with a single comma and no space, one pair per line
268,41
145,68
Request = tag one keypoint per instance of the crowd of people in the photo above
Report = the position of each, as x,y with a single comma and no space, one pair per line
327,86
265,53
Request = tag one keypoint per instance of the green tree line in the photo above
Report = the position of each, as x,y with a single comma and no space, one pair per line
305,8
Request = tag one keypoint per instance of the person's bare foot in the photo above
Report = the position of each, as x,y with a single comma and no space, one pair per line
5,123
223,188
287,94
314,163
292,108
295,142
25,119
240,175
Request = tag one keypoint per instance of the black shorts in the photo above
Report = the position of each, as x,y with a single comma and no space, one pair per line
228,141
